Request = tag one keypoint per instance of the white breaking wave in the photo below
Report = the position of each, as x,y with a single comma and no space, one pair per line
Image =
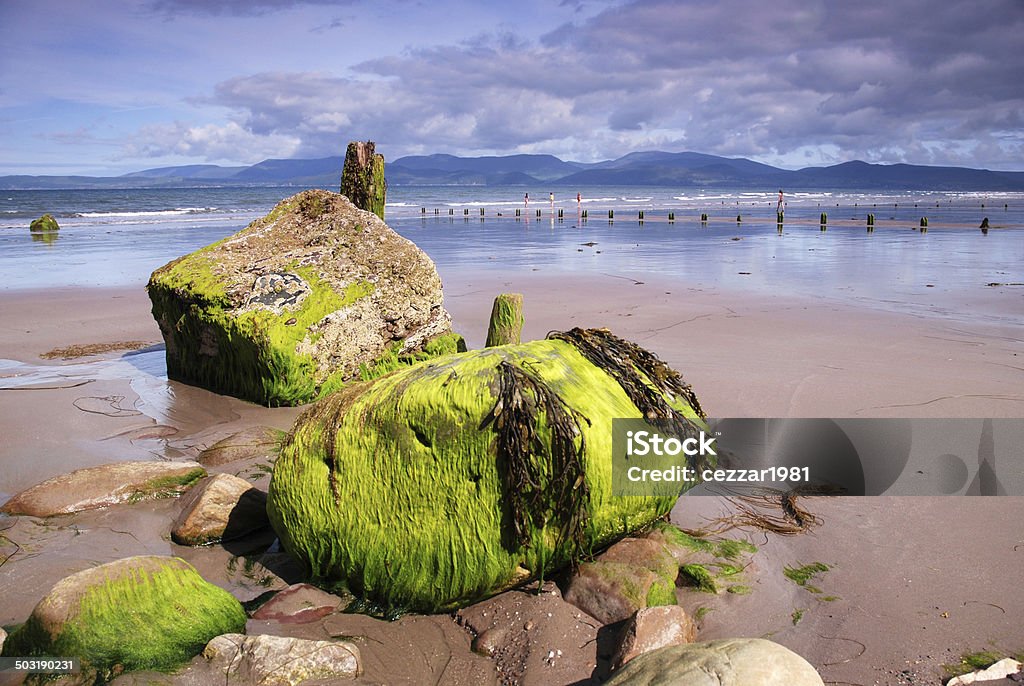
148,213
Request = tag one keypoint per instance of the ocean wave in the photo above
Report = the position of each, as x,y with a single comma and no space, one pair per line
146,213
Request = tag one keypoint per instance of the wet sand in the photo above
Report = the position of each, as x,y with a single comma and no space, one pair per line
918,581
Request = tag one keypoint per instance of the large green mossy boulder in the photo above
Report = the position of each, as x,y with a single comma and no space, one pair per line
300,302
145,612
446,482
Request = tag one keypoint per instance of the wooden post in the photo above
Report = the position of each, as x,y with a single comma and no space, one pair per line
362,178
506,325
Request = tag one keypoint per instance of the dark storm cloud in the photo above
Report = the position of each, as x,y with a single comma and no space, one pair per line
919,81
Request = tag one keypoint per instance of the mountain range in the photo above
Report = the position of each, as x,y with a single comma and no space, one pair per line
651,168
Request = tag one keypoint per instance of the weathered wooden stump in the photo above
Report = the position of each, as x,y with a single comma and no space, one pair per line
362,178
506,325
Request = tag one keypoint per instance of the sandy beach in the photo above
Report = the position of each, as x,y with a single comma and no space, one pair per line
913,583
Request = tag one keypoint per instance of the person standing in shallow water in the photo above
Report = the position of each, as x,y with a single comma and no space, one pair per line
778,208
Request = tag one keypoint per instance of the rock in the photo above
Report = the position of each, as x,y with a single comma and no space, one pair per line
3,637
395,487
44,224
631,575
298,604
220,507
490,641
257,442
727,662
363,299
612,591
281,661
146,612
652,628
999,670
105,485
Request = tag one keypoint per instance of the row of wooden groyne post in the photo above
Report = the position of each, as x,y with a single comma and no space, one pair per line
583,216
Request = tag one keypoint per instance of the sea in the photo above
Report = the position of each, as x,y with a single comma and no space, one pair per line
116,238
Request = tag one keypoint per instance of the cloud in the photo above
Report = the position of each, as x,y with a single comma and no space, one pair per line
230,142
235,7
912,80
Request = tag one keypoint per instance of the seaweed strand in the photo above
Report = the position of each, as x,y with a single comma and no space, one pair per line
544,482
623,360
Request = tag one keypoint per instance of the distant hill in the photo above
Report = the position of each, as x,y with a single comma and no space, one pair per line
646,168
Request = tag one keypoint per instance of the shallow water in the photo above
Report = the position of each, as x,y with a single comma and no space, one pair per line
117,238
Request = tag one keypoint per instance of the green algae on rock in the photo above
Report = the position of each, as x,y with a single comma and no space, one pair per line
362,177
146,612
506,324
449,481
44,224
297,302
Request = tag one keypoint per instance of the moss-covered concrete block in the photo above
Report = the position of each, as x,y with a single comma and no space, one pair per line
146,612
506,323
299,302
443,483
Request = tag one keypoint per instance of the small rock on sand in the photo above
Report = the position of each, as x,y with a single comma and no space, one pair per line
298,604
105,485
727,662
652,628
259,442
631,575
220,507
281,661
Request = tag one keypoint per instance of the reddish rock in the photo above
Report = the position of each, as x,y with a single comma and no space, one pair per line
298,604
652,628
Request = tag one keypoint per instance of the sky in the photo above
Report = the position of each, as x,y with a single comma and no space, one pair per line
113,86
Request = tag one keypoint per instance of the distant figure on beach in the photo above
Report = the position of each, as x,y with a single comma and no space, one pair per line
778,208
526,200
579,199
551,199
